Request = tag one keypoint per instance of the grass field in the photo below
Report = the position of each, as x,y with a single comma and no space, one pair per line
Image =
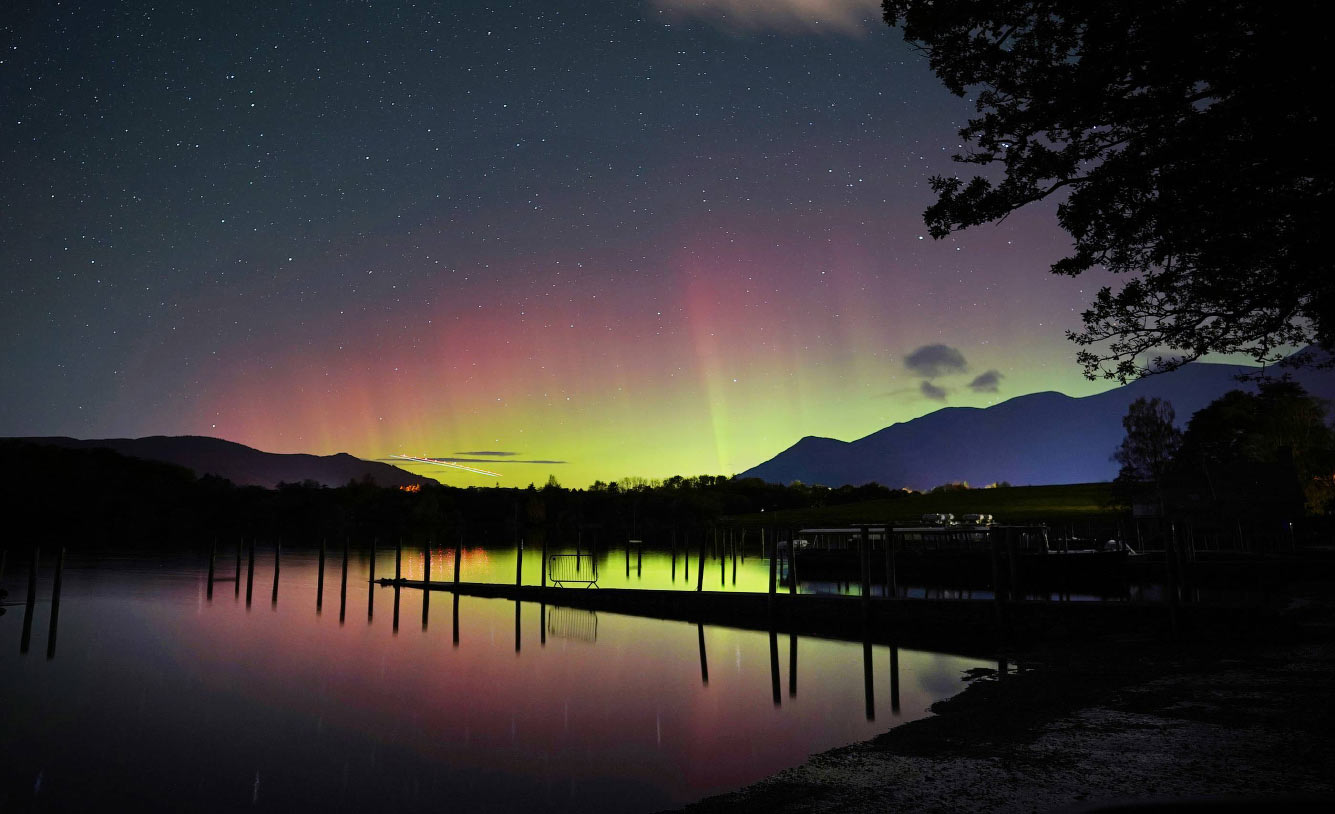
1010,504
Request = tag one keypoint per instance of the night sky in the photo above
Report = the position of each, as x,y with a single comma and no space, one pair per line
640,237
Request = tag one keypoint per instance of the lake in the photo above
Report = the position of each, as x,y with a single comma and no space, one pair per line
155,695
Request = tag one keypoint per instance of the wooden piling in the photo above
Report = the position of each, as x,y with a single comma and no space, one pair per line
370,594
722,561
639,560
700,566
319,579
250,570
543,569
426,580
869,687
894,679
773,572
704,662
398,560
25,640
891,578
519,563
343,586
674,554
732,544
55,607
775,691
236,585
458,559
277,565
864,561
792,562
213,555
792,665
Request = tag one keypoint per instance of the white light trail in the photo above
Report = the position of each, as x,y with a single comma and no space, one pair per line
446,463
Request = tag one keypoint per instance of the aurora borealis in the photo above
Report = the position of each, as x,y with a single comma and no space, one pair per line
637,237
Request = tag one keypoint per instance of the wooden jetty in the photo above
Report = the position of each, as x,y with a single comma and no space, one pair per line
929,623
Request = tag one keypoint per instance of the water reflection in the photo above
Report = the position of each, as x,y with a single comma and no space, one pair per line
214,708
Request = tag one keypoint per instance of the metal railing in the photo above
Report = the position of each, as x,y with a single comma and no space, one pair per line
572,568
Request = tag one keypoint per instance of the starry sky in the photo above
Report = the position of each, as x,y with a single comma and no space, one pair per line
592,239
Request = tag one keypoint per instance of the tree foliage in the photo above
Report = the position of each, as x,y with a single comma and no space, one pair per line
1181,140
1152,442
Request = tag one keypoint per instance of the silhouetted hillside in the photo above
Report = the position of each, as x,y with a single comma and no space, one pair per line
241,464
1040,438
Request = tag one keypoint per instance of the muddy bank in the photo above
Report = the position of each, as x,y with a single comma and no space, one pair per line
1120,721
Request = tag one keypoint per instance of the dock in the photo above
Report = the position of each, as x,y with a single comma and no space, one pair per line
965,624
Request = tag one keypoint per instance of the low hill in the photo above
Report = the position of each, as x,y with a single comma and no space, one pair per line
241,464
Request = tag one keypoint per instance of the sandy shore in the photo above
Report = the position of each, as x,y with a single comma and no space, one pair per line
1084,727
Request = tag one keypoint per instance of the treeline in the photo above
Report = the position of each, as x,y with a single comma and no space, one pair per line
99,498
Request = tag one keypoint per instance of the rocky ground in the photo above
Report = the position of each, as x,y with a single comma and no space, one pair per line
1237,722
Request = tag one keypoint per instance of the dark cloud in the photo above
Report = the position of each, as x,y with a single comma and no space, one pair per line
935,360
487,452
933,392
986,382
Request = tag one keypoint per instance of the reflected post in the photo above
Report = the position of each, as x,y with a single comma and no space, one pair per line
455,640
319,580
343,586
426,582
370,586
250,571
213,555
894,679
277,564
792,665
868,686
774,667
26,639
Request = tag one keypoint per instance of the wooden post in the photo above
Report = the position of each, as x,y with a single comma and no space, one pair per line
542,624
55,607
773,571
864,557
319,579
628,558
458,557
544,579
398,560
775,691
277,565
674,554
370,593
700,566
792,665
236,585
639,560
869,688
250,570
519,564
704,662
792,562
733,545
343,587
722,561
26,639
686,558
213,555
894,679
426,582
891,578
998,593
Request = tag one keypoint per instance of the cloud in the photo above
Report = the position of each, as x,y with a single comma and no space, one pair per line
933,392
931,361
487,452
848,17
986,382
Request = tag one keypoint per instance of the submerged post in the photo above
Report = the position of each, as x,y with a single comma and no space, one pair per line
55,607
319,579
864,556
704,662
792,665
277,558
792,562
213,555
25,640
250,570
700,566
343,587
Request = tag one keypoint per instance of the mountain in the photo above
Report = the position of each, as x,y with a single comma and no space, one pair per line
1040,438
241,464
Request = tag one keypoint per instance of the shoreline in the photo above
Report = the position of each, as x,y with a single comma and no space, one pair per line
1107,723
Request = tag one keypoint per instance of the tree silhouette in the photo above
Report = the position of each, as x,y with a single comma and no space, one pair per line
1181,139
1151,444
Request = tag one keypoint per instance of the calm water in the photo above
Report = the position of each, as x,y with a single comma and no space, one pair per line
156,696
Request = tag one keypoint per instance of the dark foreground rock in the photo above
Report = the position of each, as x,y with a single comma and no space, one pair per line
1094,726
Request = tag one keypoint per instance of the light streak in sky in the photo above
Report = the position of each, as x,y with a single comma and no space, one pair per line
446,463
